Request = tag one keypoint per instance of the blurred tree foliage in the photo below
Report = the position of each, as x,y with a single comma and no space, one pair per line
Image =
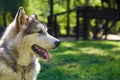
8,9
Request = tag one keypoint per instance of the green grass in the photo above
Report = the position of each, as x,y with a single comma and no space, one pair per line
83,60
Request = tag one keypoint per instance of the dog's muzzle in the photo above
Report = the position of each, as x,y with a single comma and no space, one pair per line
41,52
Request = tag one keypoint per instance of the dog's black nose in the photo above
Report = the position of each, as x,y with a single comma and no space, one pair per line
57,43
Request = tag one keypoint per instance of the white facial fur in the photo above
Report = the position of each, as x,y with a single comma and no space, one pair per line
44,40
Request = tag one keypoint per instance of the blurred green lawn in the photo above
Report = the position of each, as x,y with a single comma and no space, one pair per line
83,60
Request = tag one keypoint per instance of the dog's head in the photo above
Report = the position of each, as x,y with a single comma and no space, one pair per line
34,34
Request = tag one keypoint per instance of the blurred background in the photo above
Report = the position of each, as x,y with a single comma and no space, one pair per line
80,19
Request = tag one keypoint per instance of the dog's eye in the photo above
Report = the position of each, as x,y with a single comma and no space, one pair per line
41,32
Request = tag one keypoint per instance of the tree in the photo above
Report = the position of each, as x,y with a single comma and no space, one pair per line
8,9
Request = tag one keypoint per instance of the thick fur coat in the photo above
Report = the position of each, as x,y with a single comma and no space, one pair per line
23,42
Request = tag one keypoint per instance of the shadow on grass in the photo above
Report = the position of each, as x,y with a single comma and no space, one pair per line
81,65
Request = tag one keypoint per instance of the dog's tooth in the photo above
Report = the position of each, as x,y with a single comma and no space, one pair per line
39,49
35,46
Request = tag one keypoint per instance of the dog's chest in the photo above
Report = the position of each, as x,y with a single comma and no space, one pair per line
10,74
18,72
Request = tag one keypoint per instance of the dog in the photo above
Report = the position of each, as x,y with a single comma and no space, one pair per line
23,42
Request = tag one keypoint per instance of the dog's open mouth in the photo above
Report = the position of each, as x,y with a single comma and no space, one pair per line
41,52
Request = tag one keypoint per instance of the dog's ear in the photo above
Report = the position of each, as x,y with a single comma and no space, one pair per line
21,16
21,19
34,16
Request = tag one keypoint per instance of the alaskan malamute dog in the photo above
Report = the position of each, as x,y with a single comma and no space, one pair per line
24,40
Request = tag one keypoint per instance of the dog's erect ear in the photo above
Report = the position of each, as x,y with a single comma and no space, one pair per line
21,16
21,19
34,16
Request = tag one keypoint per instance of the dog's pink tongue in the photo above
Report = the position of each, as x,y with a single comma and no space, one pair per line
48,58
46,54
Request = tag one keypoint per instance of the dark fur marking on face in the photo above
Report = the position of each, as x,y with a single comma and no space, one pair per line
32,27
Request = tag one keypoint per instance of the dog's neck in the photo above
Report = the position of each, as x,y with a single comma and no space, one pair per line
25,57
18,49
19,54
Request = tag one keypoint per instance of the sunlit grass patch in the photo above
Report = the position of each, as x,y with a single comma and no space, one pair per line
83,60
